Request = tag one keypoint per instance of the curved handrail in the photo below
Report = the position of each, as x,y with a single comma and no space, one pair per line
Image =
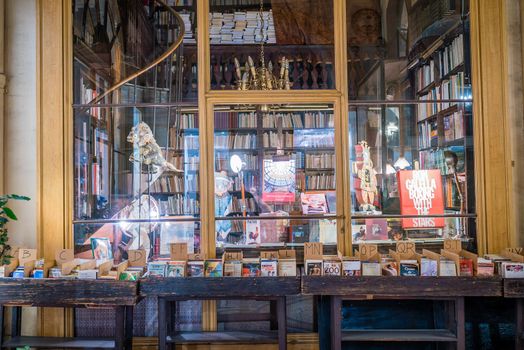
162,57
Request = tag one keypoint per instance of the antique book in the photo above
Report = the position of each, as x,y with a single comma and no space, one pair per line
87,274
213,268
389,268
268,268
287,267
233,268
313,267
176,269
195,268
332,267
447,267
157,269
428,267
485,267
466,267
251,267
371,268
409,268
351,268
512,270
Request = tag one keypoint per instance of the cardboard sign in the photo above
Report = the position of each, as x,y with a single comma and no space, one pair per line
406,248
196,257
122,267
516,250
178,251
68,266
26,255
421,194
137,257
64,255
105,267
233,256
313,251
367,251
453,245
269,255
287,254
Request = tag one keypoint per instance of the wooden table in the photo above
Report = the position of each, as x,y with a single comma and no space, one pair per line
451,290
71,293
514,288
172,290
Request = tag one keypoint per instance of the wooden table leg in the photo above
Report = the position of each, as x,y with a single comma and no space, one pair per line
162,324
129,328
16,321
173,319
282,323
461,323
120,338
519,324
273,322
336,322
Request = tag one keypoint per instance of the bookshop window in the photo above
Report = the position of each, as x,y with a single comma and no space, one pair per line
275,171
410,118
136,146
114,39
297,38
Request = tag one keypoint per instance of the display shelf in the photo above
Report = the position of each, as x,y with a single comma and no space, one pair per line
398,335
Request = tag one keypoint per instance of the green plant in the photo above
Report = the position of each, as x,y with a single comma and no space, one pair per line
6,214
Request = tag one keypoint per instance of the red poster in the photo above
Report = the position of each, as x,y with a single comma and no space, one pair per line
421,194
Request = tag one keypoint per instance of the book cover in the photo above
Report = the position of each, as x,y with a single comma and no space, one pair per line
268,268
421,194
279,180
466,267
409,268
389,268
351,268
195,268
485,267
376,229
371,268
428,267
213,268
253,234
313,267
287,267
156,269
251,268
233,268
101,248
176,269
513,270
447,268
331,197
327,231
313,203
332,268
300,233
449,128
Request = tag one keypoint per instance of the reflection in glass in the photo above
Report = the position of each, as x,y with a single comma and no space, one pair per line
298,37
272,164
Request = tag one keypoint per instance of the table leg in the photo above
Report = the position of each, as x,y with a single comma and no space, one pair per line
16,321
129,328
461,323
336,322
519,324
282,323
120,338
173,318
273,323
162,324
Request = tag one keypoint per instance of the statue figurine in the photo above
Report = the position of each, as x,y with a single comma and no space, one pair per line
146,150
366,178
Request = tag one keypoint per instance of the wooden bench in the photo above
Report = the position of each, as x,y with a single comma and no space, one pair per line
450,290
17,293
169,291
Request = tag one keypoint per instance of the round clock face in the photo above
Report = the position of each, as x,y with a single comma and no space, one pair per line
279,175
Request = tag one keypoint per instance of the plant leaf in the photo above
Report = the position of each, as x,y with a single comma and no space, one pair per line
18,197
10,214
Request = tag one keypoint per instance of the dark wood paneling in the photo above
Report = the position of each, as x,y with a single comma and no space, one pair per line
220,287
514,288
63,293
402,287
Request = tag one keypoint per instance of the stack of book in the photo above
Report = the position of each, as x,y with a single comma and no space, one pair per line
241,27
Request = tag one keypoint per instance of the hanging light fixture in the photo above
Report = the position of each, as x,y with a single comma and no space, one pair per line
262,77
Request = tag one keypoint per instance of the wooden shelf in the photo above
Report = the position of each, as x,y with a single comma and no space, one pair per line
513,288
55,342
258,337
399,335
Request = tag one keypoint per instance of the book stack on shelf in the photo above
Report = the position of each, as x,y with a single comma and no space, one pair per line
241,27
235,120
320,161
289,121
235,141
272,139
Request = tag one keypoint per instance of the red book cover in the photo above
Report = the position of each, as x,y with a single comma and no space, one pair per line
421,194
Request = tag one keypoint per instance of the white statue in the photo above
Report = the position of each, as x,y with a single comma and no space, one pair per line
149,152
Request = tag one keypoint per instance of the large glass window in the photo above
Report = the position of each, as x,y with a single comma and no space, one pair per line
410,118
275,173
297,35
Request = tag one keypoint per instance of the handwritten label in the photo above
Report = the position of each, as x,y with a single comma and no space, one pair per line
287,254
367,251
196,257
313,251
26,255
516,250
178,251
453,245
137,257
269,255
232,256
64,255
406,248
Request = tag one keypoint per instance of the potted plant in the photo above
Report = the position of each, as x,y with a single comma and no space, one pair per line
6,214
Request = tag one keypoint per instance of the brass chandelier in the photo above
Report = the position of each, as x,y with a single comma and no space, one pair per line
262,77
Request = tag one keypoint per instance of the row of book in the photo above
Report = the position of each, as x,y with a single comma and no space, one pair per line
167,33
235,206
453,126
179,3
222,162
320,182
184,142
428,135
249,181
451,193
451,89
186,163
184,183
235,141
179,204
324,160
436,159
272,139
288,120
241,27
185,121
231,120
87,95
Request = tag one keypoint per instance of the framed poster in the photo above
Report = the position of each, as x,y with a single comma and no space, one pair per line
279,180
